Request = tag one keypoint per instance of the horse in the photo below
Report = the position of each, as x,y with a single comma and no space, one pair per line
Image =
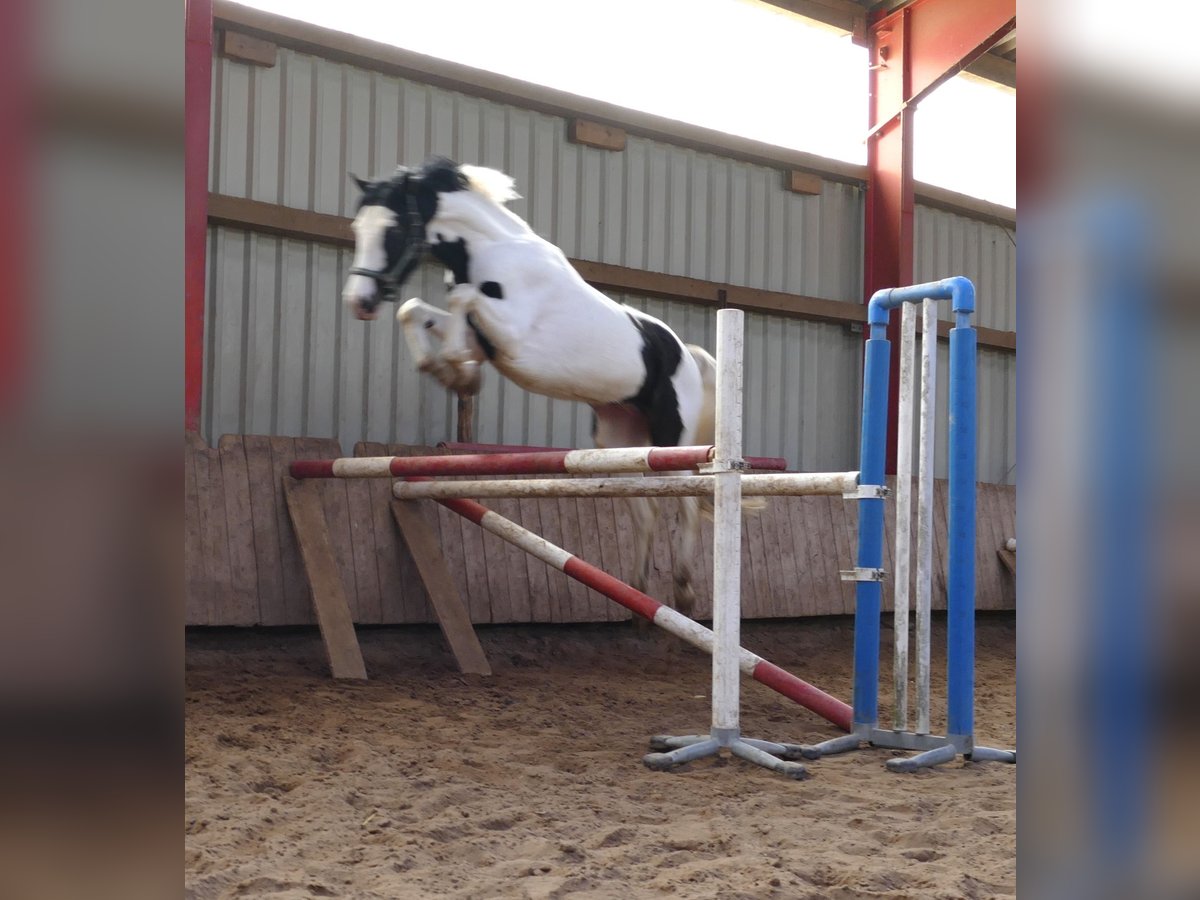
516,302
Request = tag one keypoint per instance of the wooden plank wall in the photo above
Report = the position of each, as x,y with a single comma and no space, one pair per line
243,563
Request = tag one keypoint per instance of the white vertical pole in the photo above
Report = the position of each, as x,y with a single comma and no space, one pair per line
925,507
904,442
727,525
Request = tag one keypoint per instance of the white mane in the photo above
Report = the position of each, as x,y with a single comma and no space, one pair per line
493,184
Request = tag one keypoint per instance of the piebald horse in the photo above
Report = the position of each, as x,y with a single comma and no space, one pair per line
516,302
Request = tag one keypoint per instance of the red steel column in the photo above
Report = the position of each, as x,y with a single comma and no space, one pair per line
197,110
911,51
888,241
16,224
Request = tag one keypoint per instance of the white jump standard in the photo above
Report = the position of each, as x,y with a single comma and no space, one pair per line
726,467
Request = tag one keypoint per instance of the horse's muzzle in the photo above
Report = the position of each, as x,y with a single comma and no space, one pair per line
363,294
364,304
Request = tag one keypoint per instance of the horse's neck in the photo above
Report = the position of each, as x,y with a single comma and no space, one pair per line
469,215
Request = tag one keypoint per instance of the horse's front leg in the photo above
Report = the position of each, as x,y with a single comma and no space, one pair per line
422,323
469,304
685,552
643,511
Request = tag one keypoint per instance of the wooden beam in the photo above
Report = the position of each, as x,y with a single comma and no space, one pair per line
712,293
843,15
997,69
444,597
305,225
1005,45
286,221
324,578
247,49
596,134
992,338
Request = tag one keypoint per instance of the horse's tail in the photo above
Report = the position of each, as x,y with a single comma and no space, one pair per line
706,427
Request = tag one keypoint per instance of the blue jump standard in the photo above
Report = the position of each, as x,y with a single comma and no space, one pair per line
960,587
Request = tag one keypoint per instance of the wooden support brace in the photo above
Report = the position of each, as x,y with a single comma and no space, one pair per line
447,603
1009,558
799,182
594,134
324,579
248,49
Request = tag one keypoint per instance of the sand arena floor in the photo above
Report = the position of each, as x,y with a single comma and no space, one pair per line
424,783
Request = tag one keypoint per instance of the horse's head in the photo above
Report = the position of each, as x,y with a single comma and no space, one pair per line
388,239
389,231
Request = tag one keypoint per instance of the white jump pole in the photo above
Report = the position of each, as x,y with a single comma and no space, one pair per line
834,484
925,506
727,566
900,614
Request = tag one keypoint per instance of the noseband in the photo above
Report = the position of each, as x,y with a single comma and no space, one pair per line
388,280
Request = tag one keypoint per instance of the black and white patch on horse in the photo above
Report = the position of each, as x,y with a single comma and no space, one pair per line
662,353
453,255
515,301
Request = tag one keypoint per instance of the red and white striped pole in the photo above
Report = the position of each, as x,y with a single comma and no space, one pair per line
541,462
769,674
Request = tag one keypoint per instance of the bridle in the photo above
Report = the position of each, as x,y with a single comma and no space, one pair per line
388,280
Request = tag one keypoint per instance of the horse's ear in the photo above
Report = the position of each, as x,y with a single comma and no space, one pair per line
362,185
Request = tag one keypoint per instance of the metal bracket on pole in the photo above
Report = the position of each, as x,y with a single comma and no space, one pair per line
858,573
868,492
723,465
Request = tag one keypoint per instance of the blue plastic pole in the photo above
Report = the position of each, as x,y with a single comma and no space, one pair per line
1121,581
960,586
869,594
958,290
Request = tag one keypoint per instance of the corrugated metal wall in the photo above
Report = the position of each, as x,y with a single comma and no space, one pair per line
284,358
289,134
946,243
997,413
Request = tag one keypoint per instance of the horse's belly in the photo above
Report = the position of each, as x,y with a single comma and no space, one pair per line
594,364
584,379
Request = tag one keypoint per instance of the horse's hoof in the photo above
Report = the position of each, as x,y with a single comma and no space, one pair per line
469,377
408,309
